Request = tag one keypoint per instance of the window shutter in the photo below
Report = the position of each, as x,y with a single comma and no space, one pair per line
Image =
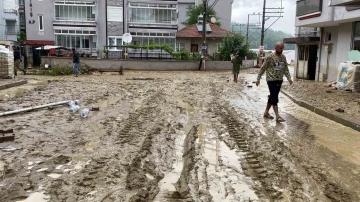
115,14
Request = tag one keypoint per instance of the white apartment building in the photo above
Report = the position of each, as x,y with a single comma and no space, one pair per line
9,21
335,31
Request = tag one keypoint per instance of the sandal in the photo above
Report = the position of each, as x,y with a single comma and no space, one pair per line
280,120
268,116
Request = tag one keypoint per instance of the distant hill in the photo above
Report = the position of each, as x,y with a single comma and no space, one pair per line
271,37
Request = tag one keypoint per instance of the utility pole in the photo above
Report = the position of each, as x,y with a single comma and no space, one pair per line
203,36
263,24
247,29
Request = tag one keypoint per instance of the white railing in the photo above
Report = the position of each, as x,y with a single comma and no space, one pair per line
75,19
9,11
153,21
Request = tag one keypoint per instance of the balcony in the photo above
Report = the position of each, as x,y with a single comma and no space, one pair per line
345,2
152,15
75,15
305,7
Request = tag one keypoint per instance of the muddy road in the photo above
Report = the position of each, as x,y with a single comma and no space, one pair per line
183,136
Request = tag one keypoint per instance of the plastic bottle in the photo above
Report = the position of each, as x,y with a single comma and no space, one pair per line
73,102
6,97
74,108
84,113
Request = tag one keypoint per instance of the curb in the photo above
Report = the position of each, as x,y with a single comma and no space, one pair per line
14,84
344,121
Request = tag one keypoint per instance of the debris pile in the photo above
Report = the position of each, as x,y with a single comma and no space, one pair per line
6,63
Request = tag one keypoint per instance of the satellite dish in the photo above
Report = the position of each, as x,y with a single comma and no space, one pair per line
127,38
16,7
213,19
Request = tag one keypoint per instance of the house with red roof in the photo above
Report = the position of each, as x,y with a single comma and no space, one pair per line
190,38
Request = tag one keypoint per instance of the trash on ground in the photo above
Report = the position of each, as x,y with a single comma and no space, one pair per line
95,109
74,108
6,97
33,108
340,110
73,102
141,79
9,148
84,113
7,131
7,137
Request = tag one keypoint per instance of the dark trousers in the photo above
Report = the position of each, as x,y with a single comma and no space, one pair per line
274,88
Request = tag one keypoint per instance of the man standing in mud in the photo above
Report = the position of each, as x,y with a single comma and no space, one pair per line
76,61
276,67
17,60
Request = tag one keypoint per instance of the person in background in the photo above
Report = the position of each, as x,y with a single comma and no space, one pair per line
76,61
17,60
235,59
276,67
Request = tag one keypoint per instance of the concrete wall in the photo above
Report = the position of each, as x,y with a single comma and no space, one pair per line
223,9
115,28
326,18
101,26
342,15
182,8
341,45
114,65
45,8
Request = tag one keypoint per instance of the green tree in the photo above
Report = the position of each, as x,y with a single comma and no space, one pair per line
193,13
233,44
21,37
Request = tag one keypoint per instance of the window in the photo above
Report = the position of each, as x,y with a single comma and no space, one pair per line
21,2
74,13
153,13
41,23
180,46
115,41
11,27
22,17
115,14
356,39
218,47
304,7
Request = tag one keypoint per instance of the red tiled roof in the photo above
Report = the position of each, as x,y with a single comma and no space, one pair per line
192,32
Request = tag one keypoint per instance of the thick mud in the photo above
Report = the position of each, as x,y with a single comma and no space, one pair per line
183,136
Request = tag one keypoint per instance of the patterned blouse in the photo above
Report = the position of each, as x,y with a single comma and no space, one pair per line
275,67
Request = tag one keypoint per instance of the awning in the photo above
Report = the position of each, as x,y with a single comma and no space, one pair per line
39,42
300,40
51,47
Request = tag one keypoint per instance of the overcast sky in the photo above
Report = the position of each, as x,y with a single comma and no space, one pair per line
241,9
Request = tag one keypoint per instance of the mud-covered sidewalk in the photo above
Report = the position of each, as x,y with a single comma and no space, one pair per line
178,136
327,98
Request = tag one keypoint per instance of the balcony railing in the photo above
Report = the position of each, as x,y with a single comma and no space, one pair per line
74,19
9,11
305,7
153,22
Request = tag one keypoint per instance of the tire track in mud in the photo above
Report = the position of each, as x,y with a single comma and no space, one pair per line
108,169
281,174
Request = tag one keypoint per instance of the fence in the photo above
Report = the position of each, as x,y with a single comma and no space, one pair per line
115,52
